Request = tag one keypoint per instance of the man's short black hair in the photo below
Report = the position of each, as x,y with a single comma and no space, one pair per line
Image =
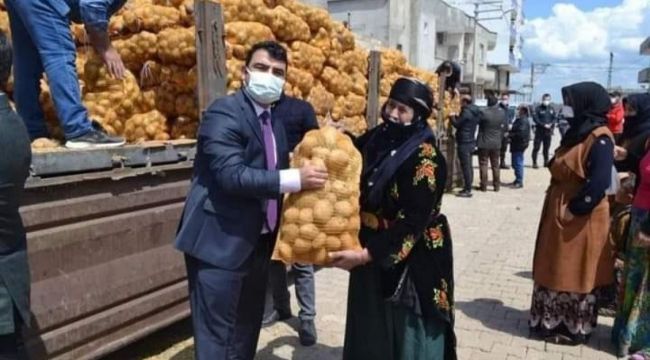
547,95
615,93
5,60
492,100
275,50
525,109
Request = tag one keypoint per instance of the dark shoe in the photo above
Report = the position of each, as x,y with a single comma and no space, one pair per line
518,185
483,188
307,333
95,138
535,166
464,194
276,316
497,189
505,167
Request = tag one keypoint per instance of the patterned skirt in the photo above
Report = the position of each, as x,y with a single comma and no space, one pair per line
568,314
631,332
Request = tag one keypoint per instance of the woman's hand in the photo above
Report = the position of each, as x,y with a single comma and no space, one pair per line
349,259
620,153
642,240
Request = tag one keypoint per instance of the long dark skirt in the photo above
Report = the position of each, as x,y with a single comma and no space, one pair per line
379,330
567,314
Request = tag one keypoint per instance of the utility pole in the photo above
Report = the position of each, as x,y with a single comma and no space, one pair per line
532,82
494,6
609,71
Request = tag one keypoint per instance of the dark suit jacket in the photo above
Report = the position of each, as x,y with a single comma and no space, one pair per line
298,117
224,211
14,169
492,128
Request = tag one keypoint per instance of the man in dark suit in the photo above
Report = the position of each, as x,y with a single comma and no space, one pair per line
14,169
466,125
231,214
492,128
544,118
298,117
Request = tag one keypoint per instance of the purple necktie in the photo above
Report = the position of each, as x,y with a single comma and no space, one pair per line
269,152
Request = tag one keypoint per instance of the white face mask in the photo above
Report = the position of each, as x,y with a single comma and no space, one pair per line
613,99
264,87
546,102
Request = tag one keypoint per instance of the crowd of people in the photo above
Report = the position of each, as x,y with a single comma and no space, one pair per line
401,288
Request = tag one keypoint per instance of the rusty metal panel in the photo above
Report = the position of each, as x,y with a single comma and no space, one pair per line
104,271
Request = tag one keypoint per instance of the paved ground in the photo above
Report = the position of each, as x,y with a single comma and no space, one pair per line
494,236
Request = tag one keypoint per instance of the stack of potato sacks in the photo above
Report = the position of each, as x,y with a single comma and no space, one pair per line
156,39
317,222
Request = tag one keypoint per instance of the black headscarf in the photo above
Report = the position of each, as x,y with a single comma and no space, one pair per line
590,103
453,79
638,124
391,144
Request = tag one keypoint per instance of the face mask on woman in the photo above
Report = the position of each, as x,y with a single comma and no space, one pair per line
264,87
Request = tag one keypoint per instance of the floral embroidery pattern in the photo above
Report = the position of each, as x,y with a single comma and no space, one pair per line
394,191
427,151
440,297
434,237
426,170
407,246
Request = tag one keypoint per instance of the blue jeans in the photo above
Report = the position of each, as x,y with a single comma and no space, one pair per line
518,166
42,42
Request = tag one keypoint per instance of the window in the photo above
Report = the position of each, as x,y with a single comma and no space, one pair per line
481,54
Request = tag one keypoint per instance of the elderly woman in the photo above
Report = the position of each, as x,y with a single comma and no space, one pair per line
631,334
573,258
400,298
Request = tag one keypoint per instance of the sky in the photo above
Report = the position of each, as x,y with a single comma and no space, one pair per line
575,38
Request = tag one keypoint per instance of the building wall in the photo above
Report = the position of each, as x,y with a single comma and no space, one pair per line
367,17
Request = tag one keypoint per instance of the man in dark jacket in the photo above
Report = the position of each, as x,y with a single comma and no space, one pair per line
298,117
504,104
14,169
492,128
545,119
466,125
519,140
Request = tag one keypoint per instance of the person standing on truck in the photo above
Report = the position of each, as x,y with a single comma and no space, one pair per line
298,117
42,41
14,169
545,119
231,216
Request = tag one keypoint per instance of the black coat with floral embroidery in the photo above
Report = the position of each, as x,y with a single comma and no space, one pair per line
408,228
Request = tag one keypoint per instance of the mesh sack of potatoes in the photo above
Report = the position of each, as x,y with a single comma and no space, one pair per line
336,82
357,125
392,61
315,223
122,93
286,26
186,9
182,78
354,61
359,84
184,127
165,99
149,17
4,23
44,144
321,99
246,10
177,46
234,67
305,56
386,83
344,36
242,35
322,41
136,49
301,79
174,3
315,17
148,126
335,58
354,105
187,105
